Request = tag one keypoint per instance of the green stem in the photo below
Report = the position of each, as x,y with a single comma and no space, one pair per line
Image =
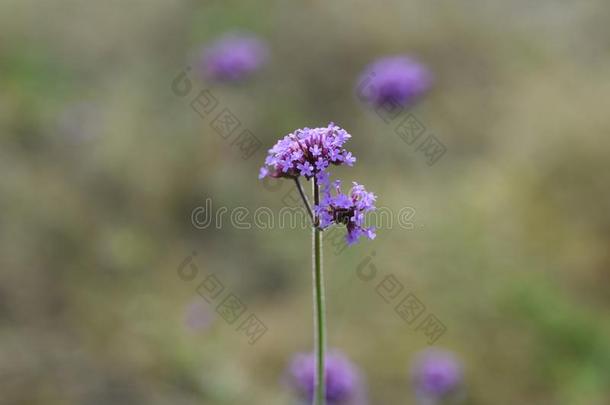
305,201
319,307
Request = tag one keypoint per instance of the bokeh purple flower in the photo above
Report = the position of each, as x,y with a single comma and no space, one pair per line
435,374
393,80
308,152
234,57
348,209
197,316
344,383
81,121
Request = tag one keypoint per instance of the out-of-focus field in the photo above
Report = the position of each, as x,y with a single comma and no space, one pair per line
101,166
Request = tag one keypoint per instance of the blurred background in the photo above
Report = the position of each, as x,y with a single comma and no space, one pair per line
102,164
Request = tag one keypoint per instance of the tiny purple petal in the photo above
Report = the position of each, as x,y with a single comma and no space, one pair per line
321,164
306,169
348,159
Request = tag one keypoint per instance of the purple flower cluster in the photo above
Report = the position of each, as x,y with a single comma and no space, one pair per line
308,152
347,209
343,378
394,79
435,374
234,57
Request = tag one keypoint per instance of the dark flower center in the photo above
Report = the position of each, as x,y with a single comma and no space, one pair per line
343,215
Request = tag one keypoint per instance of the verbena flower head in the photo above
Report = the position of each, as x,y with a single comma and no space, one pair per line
343,379
394,79
348,209
435,374
234,57
308,152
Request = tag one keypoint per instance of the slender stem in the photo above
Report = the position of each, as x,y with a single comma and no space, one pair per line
305,200
319,307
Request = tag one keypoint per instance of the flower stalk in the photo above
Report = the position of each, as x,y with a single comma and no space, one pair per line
319,306
305,201
308,153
